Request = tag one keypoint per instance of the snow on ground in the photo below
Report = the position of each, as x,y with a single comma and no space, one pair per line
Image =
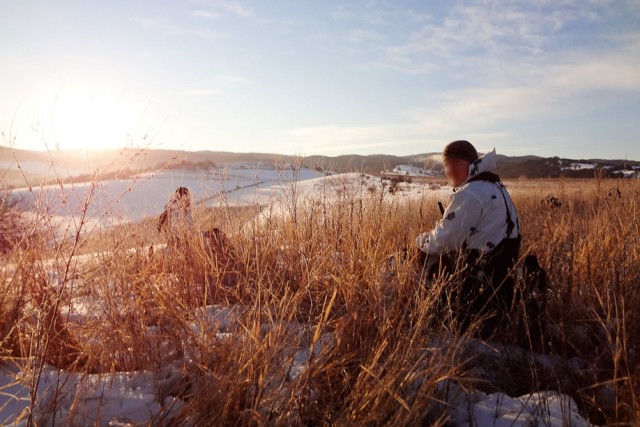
132,397
627,173
85,399
126,398
345,189
580,166
117,201
146,194
141,397
14,395
409,170
476,408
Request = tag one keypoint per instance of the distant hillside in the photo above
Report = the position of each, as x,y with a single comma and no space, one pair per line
42,167
349,163
556,167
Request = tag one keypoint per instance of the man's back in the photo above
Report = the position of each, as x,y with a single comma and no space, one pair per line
495,212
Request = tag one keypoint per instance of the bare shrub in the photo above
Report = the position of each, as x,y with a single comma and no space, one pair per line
12,223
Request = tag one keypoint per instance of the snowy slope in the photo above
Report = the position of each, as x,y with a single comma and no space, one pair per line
116,201
145,195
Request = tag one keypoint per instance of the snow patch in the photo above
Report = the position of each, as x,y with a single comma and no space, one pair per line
410,170
580,166
475,408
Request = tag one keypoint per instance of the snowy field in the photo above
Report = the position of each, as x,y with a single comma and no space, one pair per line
117,201
144,397
146,194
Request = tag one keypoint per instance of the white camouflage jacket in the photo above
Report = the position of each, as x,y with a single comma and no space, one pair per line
476,215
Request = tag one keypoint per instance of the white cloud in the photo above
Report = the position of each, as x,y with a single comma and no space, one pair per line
168,28
205,33
322,39
233,80
379,14
206,14
216,85
173,29
486,111
234,7
200,92
504,62
349,139
555,92
362,35
511,65
407,139
617,69
482,31
217,8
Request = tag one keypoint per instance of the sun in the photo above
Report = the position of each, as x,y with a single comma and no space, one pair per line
87,119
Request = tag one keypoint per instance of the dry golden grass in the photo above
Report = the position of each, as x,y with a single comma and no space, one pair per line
313,280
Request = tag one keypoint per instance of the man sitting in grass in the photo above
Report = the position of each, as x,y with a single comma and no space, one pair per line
477,241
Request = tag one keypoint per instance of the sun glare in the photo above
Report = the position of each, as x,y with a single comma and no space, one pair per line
78,119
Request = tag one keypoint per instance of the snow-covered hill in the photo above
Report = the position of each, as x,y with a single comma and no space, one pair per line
116,201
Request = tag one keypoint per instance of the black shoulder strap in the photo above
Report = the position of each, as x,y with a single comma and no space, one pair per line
510,223
492,177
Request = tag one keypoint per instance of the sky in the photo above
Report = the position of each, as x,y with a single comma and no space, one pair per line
541,77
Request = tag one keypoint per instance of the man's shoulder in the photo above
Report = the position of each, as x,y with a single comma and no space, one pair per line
474,186
477,189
